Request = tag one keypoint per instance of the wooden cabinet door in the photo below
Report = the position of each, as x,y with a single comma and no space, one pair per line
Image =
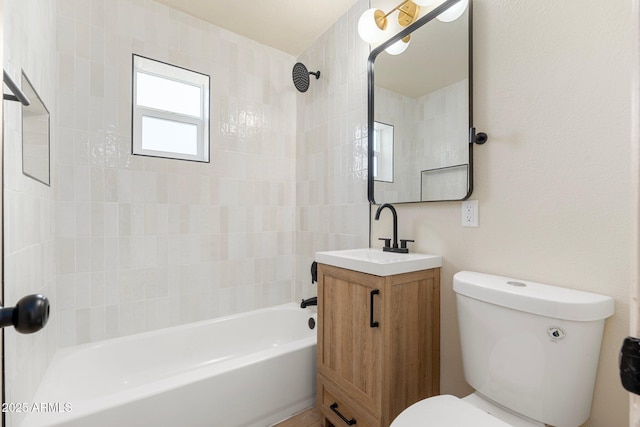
349,349
412,358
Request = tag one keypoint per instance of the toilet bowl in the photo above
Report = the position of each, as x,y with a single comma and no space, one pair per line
451,411
529,350
446,411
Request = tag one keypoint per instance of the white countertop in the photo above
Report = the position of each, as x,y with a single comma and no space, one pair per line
377,262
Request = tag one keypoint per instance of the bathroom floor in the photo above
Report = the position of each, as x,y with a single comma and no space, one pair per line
309,418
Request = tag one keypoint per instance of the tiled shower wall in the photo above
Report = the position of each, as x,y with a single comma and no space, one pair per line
424,128
331,167
129,243
144,242
399,111
29,206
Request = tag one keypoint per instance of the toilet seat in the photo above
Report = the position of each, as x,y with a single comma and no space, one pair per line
445,411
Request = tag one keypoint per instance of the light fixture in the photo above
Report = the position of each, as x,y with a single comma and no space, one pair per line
425,2
374,27
454,12
373,22
400,46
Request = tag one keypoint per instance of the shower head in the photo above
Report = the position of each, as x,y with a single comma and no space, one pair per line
300,76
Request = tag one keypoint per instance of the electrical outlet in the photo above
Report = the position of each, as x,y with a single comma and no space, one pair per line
470,213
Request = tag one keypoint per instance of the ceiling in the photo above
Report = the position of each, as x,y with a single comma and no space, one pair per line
293,25
287,25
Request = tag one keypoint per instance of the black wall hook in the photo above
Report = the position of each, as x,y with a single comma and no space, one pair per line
477,138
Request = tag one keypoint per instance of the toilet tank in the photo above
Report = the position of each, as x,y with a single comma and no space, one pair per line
529,347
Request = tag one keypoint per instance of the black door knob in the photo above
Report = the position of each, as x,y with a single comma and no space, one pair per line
29,315
629,362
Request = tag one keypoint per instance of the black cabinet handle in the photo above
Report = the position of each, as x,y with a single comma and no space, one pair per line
372,323
334,408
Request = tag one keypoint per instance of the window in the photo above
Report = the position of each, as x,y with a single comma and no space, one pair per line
382,152
170,111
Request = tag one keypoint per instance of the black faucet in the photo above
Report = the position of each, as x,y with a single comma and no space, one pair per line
307,302
387,242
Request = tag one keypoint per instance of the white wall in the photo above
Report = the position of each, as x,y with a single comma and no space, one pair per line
145,242
125,244
331,154
29,226
552,89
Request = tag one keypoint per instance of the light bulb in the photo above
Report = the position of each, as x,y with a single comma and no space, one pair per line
454,12
398,47
368,29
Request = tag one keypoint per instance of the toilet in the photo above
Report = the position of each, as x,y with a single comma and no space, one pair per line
529,350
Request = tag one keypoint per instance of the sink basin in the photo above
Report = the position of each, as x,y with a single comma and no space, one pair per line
377,262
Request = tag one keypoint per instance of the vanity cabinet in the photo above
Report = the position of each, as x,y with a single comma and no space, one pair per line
378,344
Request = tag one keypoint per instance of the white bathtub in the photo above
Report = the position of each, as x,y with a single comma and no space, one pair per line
251,369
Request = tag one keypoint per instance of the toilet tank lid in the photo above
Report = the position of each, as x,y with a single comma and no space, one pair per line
532,297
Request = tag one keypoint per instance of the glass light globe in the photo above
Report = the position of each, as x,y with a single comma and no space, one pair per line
454,12
425,2
398,47
367,28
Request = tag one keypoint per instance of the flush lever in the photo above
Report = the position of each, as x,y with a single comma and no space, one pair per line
29,315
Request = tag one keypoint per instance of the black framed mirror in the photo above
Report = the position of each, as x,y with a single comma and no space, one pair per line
425,94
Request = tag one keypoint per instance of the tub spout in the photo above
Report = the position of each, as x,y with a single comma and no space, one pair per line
307,302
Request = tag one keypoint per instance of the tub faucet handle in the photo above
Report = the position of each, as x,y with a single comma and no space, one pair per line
314,272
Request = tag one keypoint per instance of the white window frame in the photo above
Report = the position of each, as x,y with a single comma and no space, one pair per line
180,75
383,153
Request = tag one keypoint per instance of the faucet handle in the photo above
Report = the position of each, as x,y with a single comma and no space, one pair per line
387,241
403,243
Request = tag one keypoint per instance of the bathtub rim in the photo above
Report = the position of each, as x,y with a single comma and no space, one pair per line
292,306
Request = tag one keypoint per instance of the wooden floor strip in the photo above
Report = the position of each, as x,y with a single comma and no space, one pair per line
309,418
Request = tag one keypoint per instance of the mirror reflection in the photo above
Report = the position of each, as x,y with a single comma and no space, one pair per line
35,135
423,93
382,152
